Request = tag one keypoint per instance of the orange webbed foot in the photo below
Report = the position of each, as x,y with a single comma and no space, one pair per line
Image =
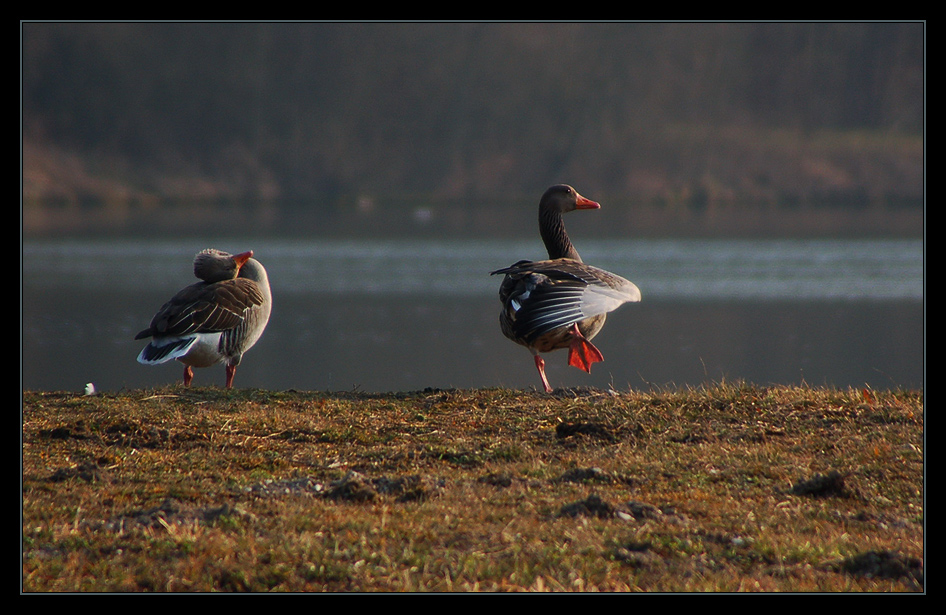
582,353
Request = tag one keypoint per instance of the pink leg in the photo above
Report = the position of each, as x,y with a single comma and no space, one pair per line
540,365
188,375
231,372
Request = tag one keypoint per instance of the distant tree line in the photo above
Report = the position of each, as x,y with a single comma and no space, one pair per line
296,109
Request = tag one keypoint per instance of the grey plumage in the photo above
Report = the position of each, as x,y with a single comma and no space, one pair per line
560,302
215,320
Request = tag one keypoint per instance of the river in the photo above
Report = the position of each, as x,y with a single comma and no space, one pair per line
398,315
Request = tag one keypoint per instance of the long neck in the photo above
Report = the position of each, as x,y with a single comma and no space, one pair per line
253,270
552,228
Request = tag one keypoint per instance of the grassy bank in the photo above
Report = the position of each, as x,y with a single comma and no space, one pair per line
722,488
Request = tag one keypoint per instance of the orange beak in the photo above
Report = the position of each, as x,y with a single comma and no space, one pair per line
241,258
583,203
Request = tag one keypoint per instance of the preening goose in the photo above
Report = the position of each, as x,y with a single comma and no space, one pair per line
560,302
215,320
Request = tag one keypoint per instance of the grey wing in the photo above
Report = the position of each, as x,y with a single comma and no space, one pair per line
202,308
536,303
547,307
604,291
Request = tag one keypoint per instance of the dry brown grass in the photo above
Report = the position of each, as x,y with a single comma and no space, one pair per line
724,488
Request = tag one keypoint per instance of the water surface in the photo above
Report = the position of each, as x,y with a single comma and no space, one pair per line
410,314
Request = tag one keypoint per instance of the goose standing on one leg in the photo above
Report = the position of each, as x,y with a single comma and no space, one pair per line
560,302
213,321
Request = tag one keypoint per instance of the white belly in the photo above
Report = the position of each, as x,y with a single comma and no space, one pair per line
205,352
